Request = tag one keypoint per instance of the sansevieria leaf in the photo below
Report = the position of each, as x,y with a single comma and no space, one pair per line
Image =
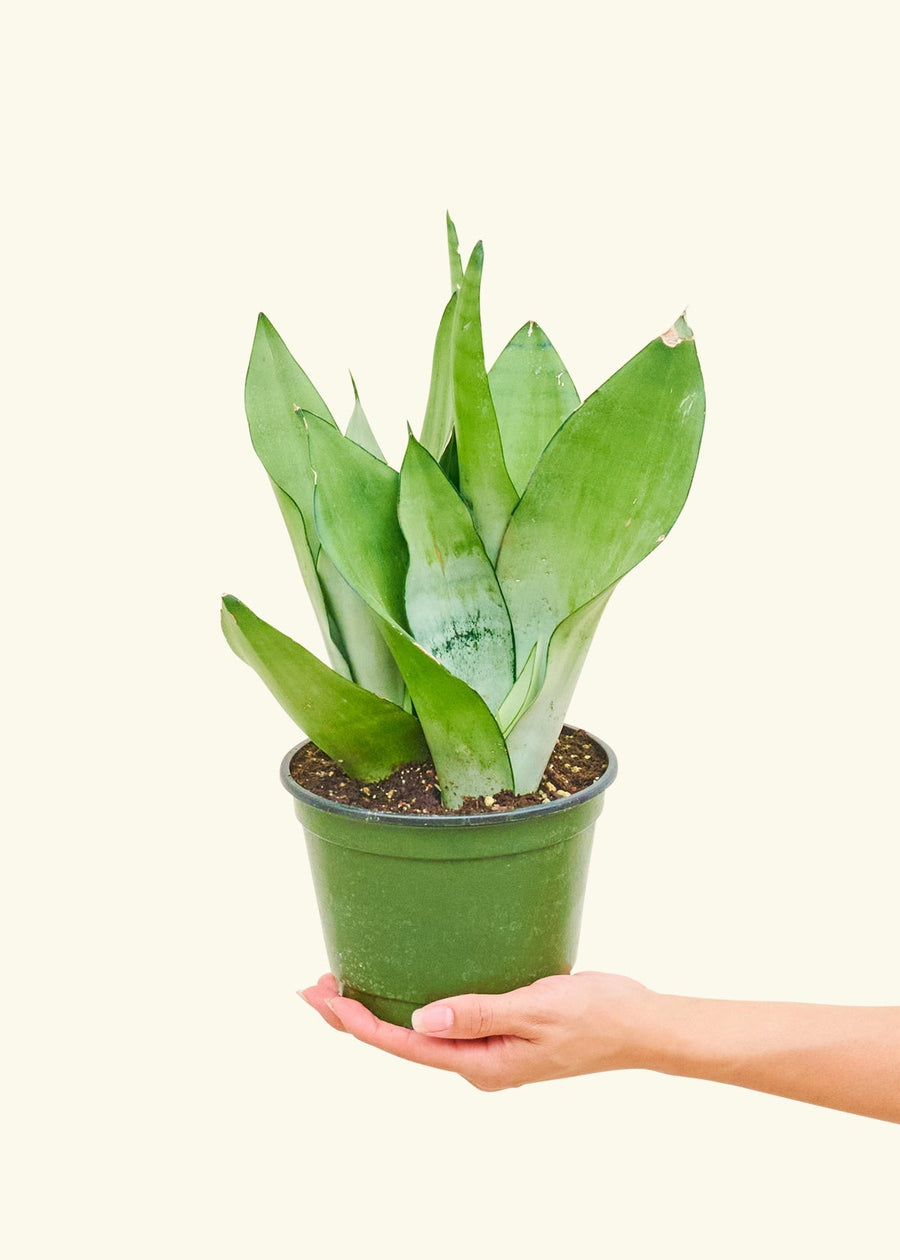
453,602
531,741
463,736
456,267
357,495
521,693
483,479
359,430
437,426
328,624
533,393
276,391
362,643
465,742
368,735
607,489
439,410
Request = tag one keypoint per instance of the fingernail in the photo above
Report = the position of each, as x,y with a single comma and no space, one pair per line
302,993
433,1019
329,1002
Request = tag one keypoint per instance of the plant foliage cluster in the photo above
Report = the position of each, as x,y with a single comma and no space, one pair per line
458,597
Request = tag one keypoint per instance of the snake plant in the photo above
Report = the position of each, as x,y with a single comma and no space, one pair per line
458,597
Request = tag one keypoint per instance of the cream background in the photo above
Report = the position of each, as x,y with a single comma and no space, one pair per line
174,169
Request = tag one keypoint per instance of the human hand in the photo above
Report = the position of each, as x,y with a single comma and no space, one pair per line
847,1057
559,1026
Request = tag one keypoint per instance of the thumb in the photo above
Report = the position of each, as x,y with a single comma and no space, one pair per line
474,1015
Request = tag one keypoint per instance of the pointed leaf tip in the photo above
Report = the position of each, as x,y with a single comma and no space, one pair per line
456,268
680,331
533,394
483,476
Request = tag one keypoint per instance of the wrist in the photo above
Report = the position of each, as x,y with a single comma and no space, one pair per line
630,1026
672,1039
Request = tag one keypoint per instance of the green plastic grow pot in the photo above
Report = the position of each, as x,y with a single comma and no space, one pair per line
420,907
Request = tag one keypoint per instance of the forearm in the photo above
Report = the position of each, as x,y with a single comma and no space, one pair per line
834,1056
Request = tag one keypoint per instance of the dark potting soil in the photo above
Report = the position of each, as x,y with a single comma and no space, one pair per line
576,763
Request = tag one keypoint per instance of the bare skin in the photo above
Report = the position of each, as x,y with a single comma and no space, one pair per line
834,1056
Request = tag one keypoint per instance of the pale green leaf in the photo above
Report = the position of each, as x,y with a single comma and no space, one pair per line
329,626
606,491
532,739
437,427
276,391
521,693
359,430
356,518
533,394
370,660
468,751
356,496
483,478
368,735
453,603
456,267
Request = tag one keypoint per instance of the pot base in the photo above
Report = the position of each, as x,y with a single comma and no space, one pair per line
391,1010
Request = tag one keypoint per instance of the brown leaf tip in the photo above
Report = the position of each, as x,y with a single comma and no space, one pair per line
680,331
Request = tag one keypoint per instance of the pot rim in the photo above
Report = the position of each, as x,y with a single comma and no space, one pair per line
384,817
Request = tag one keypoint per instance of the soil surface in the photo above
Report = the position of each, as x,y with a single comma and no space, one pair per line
576,763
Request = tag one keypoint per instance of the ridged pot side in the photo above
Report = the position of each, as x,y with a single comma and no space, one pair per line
419,907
